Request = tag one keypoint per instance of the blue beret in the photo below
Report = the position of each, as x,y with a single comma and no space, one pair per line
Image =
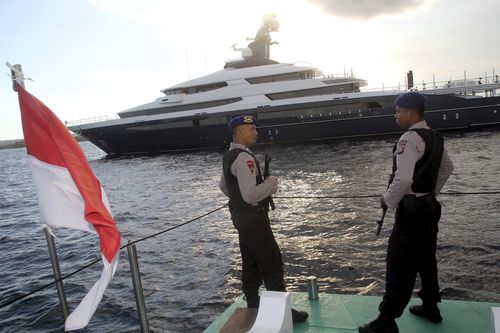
410,100
241,120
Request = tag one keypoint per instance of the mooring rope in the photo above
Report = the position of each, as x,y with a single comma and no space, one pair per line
206,214
372,195
48,284
174,227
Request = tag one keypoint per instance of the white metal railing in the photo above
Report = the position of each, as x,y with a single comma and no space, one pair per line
337,76
477,83
91,120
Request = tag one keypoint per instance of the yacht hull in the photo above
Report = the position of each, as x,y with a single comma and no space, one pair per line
444,112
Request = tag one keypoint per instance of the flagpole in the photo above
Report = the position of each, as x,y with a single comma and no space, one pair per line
63,178
57,272
18,79
136,279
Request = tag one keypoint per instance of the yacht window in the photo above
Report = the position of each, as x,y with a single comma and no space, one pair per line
213,121
176,108
374,105
334,111
344,88
174,92
280,77
160,126
195,89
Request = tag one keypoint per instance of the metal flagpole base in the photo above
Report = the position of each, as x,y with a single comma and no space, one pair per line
136,279
57,272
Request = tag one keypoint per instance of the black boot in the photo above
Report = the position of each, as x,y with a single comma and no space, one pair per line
380,325
253,302
299,316
431,312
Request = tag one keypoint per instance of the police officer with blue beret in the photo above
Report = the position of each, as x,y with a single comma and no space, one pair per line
249,194
421,167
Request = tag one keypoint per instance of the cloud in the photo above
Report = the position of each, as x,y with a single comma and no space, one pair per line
368,9
188,20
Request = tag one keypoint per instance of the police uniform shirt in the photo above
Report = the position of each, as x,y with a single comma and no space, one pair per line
244,169
410,148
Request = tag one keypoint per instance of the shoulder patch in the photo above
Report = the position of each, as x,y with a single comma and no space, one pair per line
251,165
401,146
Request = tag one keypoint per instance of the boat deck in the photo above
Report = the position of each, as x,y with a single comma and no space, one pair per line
335,313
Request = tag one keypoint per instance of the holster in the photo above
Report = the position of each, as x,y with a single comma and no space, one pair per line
408,203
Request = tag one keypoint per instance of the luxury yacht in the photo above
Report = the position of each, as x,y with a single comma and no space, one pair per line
291,102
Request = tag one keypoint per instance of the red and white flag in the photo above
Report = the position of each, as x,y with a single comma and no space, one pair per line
68,192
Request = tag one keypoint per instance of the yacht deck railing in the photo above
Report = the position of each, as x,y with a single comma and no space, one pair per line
476,84
91,120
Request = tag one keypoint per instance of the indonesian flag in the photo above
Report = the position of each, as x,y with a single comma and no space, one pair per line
69,194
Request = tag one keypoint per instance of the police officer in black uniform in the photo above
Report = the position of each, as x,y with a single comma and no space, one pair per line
421,167
249,194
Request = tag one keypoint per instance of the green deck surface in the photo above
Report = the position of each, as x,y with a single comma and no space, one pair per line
344,313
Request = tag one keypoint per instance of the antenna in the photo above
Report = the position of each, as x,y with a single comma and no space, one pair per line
187,65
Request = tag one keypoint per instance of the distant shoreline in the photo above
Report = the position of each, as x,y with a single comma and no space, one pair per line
10,144
19,143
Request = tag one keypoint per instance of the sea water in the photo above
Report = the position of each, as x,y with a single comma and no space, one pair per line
191,274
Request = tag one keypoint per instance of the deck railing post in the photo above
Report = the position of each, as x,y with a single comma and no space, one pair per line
136,279
312,288
63,304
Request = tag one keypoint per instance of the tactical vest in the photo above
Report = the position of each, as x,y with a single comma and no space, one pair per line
235,198
427,168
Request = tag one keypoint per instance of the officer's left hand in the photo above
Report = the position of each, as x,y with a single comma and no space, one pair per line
273,180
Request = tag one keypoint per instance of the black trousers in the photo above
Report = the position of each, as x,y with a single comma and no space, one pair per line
260,254
412,250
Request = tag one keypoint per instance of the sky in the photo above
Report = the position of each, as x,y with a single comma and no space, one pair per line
93,58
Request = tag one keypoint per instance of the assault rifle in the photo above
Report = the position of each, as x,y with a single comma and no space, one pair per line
384,209
267,159
381,221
